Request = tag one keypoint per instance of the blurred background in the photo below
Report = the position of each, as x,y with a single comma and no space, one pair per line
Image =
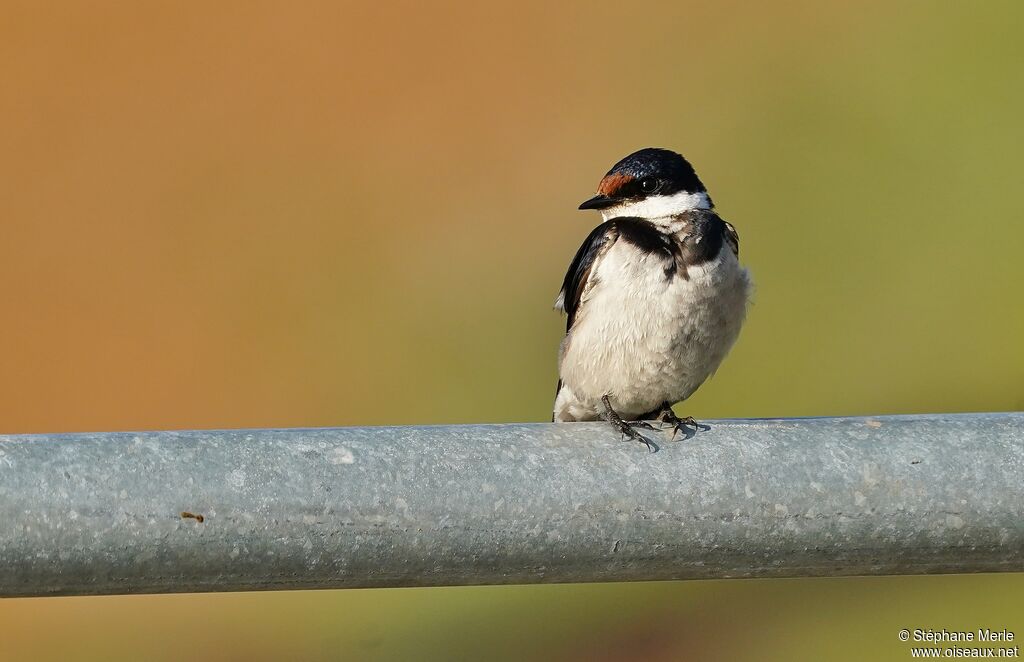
255,215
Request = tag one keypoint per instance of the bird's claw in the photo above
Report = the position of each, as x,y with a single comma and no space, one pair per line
625,428
628,431
679,426
683,425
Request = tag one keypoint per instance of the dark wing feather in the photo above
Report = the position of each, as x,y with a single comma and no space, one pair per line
732,237
599,239
579,270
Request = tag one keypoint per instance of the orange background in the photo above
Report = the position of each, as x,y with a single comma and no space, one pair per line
261,214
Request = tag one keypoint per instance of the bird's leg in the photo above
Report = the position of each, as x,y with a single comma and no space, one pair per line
625,428
679,424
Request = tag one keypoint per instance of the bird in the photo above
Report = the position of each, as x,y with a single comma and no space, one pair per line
654,298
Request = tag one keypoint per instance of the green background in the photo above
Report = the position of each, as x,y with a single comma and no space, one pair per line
256,215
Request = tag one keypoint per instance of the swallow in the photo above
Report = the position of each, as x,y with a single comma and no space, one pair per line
654,298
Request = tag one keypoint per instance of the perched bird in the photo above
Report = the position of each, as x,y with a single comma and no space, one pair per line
655,297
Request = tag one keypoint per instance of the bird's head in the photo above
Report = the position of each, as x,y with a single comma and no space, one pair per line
650,183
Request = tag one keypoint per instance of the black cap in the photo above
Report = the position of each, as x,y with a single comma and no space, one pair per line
649,171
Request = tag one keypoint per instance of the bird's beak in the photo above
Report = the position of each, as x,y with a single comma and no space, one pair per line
599,202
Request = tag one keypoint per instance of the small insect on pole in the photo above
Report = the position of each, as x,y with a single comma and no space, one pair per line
107,513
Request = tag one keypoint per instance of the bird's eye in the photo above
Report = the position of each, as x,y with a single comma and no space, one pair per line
649,184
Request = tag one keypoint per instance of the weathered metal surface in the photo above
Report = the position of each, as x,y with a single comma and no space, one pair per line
483,504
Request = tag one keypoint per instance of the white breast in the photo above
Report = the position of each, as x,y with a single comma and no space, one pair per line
644,339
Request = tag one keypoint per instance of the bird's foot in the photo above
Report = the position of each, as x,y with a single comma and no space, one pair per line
683,424
626,428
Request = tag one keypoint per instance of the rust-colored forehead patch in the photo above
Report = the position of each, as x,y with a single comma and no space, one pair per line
611,184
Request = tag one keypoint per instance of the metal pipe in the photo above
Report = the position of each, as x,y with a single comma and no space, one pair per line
152,512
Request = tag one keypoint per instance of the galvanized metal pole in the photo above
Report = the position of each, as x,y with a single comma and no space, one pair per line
485,504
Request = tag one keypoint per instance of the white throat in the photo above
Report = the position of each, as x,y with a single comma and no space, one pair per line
659,206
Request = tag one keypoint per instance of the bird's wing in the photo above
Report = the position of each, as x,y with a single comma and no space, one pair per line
600,240
732,237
